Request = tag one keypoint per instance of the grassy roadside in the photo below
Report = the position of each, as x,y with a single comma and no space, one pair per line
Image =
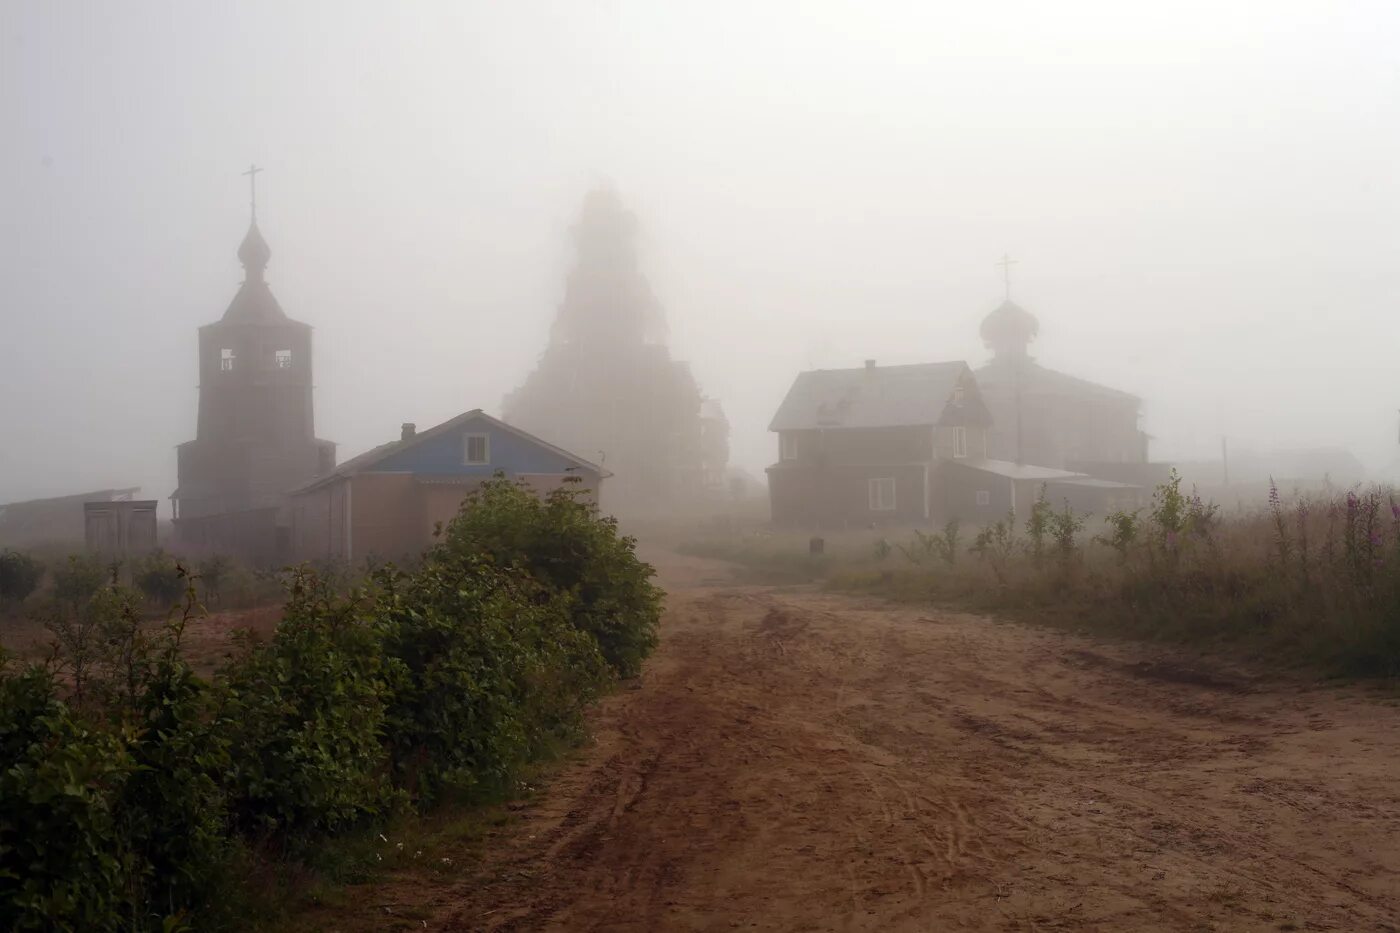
392,877
1313,587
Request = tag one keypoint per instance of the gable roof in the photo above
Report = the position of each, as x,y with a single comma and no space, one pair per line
869,397
370,458
1033,376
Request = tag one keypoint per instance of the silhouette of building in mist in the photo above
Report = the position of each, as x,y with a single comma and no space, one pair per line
606,385
255,438
54,522
1048,418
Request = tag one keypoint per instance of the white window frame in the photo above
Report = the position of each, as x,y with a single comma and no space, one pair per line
787,445
959,443
226,359
984,497
485,449
876,492
282,359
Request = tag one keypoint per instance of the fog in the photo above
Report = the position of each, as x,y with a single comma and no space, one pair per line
1201,198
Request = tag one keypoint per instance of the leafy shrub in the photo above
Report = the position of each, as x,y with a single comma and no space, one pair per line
75,581
565,545
63,864
159,578
489,668
129,786
19,576
305,721
111,815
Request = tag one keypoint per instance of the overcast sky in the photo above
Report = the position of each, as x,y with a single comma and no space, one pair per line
1204,199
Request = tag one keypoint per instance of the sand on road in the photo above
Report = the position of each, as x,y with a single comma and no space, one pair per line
794,760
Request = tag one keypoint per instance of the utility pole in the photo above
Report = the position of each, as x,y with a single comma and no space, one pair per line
1225,458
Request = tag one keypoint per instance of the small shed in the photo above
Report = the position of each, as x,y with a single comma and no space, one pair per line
120,529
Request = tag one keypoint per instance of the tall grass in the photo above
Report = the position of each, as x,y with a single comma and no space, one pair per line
1303,580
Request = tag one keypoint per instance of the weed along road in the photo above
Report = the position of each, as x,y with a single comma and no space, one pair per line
794,760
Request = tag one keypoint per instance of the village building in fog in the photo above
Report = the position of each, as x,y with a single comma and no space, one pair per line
865,445
387,503
256,437
607,387
908,444
57,522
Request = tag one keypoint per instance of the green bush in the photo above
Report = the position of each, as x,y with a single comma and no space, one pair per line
63,863
19,576
111,814
129,787
488,669
159,578
564,544
305,720
78,578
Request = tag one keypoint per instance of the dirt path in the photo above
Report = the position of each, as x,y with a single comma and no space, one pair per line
800,761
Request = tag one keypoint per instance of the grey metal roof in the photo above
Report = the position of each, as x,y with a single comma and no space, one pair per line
1020,470
869,397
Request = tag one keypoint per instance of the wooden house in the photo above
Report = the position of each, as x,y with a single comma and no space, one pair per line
385,504
860,447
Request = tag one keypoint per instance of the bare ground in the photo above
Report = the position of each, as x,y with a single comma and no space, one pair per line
794,760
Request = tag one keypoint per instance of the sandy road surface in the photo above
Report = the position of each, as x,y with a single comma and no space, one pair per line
800,761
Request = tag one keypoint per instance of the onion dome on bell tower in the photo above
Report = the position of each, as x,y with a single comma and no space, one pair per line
254,252
1009,330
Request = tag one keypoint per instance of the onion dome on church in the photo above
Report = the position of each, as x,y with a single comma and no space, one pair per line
254,252
1009,329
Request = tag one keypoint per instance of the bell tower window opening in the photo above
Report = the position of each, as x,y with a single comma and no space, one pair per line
226,358
284,359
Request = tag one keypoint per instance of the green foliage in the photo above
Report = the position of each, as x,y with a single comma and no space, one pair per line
566,546
75,581
19,576
996,545
305,721
111,816
130,788
1124,531
1063,527
159,578
943,546
63,864
213,571
488,669
1038,526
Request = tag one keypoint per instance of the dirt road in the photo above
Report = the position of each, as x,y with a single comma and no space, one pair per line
799,761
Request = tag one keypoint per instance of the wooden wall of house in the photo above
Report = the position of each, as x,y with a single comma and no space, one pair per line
838,496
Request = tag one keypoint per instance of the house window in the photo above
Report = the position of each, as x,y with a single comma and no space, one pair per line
478,448
959,442
226,360
787,446
984,497
284,359
958,395
882,494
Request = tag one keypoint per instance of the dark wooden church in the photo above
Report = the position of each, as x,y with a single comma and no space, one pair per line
256,438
